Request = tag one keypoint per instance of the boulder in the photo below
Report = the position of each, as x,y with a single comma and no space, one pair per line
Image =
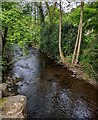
14,107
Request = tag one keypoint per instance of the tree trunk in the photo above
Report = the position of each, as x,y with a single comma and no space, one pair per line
73,58
78,40
4,38
35,20
80,37
42,17
51,13
60,26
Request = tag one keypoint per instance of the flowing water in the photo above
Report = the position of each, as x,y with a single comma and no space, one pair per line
50,90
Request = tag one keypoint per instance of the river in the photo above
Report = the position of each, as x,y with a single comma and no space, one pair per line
50,90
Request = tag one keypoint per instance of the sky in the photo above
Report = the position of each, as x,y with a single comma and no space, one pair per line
65,3
47,0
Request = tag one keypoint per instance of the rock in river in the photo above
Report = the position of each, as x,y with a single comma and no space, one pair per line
13,107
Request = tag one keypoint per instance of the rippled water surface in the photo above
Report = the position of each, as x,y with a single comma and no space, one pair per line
50,90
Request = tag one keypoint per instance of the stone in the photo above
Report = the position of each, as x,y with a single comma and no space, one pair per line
6,90
73,75
0,94
9,89
3,88
14,107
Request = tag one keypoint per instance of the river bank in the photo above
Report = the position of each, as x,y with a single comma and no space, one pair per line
76,71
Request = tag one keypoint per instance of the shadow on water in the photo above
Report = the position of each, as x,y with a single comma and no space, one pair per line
50,90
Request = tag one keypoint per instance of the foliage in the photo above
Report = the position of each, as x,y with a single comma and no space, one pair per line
27,27
20,26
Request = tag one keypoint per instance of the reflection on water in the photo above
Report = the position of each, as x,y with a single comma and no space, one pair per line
51,91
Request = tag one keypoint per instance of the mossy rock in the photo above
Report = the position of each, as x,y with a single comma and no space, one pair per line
2,100
13,107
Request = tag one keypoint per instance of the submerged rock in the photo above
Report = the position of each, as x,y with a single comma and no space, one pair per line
14,107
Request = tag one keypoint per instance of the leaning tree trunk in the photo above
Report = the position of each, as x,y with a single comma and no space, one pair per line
78,40
81,18
73,58
60,26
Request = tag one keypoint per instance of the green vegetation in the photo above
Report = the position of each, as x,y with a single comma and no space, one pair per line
37,24
1,101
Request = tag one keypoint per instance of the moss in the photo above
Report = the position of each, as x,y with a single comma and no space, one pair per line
2,100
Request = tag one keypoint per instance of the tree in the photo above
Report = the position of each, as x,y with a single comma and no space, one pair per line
51,13
60,33
4,38
78,40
